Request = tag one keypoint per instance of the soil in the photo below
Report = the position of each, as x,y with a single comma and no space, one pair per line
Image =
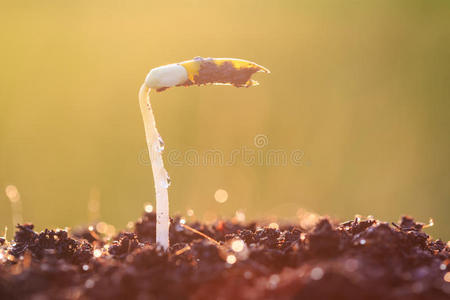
359,259
224,73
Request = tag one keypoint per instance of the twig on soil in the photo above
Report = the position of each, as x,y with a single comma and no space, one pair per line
201,234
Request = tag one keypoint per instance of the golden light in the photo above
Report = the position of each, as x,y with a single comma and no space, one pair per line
130,225
302,236
110,230
231,259
148,208
101,227
240,216
274,225
237,245
12,193
97,252
221,196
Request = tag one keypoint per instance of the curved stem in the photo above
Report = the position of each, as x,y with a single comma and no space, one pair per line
161,179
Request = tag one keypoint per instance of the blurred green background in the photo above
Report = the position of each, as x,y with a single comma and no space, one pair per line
360,87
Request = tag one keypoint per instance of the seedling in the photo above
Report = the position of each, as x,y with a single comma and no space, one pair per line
199,71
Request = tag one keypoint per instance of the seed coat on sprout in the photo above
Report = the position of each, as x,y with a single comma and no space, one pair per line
198,71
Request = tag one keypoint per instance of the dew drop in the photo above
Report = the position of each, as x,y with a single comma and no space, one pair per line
161,145
167,183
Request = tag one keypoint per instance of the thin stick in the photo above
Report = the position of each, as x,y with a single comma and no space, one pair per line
430,224
181,251
160,176
201,234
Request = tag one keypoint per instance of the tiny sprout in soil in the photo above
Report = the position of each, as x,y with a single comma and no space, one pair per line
199,71
312,258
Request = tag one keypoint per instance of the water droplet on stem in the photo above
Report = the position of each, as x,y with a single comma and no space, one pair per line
161,145
167,182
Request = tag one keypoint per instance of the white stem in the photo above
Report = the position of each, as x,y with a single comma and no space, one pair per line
160,176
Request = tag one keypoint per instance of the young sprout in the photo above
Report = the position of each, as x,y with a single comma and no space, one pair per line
199,71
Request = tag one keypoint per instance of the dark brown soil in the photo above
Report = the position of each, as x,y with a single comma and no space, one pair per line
355,260
225,73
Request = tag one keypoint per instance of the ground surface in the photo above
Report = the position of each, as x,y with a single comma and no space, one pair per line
358,259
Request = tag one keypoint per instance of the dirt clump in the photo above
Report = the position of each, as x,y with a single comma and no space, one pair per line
358,259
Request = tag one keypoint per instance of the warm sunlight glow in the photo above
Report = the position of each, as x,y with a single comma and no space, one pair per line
221,196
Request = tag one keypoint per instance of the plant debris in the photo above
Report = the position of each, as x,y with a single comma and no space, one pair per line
359,259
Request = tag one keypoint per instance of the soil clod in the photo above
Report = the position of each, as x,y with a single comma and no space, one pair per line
358,259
